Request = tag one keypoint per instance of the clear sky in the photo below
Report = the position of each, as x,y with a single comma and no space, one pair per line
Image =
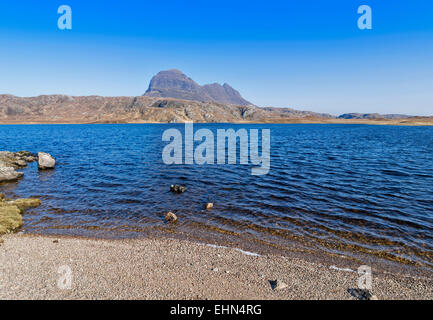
304,54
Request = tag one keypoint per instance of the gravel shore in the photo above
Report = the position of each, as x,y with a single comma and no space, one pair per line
33,267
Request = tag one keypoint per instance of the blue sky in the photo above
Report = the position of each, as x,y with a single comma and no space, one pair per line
305,54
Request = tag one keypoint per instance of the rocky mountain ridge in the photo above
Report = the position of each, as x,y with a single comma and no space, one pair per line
175,84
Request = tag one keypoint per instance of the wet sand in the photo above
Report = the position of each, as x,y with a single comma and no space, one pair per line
175,269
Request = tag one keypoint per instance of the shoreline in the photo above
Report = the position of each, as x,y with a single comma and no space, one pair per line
423,122
164,268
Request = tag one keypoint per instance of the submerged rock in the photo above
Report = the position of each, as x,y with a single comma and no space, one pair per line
22,203
45,161
177,188
170,217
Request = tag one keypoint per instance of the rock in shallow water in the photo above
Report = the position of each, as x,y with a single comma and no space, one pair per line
170,217
21,203
45,161
177,188
9,174
9,161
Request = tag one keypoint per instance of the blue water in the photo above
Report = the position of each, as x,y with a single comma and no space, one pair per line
335,188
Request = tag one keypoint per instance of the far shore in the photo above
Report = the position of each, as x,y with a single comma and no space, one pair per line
35,267
416,121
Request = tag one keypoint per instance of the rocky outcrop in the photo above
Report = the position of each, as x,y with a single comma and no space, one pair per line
9,174
11,210
45,161
174,84
9,161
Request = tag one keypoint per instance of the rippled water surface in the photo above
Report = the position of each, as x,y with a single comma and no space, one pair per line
334,188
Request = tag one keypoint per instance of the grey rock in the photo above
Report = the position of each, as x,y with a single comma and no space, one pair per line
9,174
45,161
29,158
20,163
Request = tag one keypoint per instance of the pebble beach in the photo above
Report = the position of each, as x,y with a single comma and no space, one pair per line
32,267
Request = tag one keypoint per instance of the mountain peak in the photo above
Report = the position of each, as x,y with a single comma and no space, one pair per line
174,83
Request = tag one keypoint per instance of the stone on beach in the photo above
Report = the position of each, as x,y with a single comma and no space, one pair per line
361,294
177,188
45,161
277,284
170,217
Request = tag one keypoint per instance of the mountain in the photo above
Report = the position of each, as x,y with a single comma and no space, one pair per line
175,84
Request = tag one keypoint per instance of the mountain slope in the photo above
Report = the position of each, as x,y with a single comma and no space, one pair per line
90,109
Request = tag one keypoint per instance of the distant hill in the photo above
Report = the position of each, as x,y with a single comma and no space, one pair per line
174,84
373,116
96,109
172,97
